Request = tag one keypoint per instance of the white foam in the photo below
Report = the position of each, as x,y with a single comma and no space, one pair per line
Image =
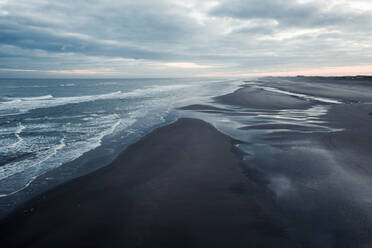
27,86
108,131
52,153
24,104
107,83
20,166
54,118
17,134
67,85
92,132
18,99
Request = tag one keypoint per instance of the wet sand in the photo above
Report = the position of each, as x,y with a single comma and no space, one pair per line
322,180
180,186
259,99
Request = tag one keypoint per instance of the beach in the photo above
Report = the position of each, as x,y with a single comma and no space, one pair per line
179,186
295,172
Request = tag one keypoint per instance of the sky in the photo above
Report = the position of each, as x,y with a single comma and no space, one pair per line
184,38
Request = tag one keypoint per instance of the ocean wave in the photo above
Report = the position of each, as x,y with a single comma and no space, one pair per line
62,117
32,98
27,86
107,83
59,153
67,85
24,104
17,134
17,167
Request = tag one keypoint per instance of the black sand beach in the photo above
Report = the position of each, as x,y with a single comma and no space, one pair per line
180,186
187,185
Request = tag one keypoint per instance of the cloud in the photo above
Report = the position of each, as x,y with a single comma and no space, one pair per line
292,13
187,65
182,37
283,11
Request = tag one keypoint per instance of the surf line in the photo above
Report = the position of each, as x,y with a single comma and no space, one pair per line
18,136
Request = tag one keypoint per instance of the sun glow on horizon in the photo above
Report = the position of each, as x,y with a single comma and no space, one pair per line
325,71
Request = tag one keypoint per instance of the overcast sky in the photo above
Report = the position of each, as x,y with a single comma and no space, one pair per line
177,38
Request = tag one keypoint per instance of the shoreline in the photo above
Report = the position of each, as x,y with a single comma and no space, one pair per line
89,162
187,185
110,147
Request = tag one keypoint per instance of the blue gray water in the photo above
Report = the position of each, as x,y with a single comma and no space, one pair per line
46,123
